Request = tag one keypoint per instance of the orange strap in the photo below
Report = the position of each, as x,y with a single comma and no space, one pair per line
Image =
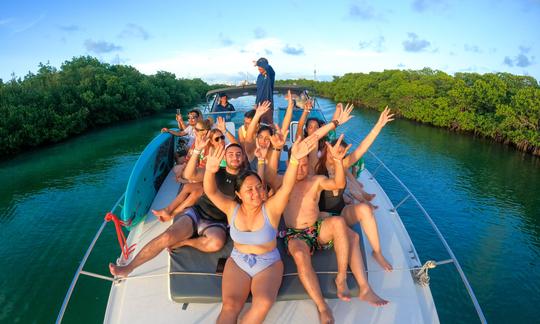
126,251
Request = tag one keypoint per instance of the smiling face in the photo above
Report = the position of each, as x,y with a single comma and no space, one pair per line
217,138
234,156
223,101
251,191
200,130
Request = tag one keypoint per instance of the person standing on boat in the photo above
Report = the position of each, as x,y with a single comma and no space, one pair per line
265,88
202,226
255,263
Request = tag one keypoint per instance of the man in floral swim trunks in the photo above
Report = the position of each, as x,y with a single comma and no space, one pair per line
306,233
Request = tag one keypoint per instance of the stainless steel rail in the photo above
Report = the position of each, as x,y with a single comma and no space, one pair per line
436,229
81,265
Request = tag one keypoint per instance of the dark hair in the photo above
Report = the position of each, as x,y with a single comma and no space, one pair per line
320,167
240,178
195,111
319,122
249,114
222,94
265,128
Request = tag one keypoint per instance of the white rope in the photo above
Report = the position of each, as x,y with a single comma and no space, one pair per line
420,273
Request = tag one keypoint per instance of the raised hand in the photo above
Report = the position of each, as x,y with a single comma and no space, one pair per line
335,152
221,125
201,142
343,115
288,97
179,118
278,139
309,105
385,117
214,158
262,108
301,149
260,152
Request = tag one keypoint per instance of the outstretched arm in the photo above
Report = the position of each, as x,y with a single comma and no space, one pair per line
192,172
180,121
384,118
278,141
302,121
223,128
288,114
173,132
343,116
224,203
250,134
276,204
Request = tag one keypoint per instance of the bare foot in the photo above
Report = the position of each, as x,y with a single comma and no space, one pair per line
368,197
369,296
342,289
162,214
325,316
119,271
382,261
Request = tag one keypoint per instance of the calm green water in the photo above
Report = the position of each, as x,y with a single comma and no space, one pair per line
484,197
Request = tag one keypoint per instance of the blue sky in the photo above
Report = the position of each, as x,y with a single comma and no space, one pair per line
218,40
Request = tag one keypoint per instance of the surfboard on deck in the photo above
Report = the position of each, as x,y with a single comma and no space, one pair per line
148,174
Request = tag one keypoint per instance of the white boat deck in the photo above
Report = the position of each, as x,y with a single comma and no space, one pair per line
147,300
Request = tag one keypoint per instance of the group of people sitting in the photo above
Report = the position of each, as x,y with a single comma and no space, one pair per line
231,187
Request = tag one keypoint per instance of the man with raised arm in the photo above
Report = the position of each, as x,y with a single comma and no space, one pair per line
265,88
305,232
202,226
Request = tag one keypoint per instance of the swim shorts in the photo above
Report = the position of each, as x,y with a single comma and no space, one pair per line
309,236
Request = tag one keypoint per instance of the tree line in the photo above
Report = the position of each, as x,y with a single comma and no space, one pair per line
54,104
500,106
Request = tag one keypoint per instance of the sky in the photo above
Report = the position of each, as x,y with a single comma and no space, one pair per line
219,40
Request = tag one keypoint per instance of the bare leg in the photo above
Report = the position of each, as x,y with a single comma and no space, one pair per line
235,290
190,200
177,232
173,209
302,257
357,267
212,240
264,290
362,213
334,228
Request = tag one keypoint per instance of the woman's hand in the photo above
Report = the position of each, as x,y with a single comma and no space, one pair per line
385,117
201,142
214,158
262,108
301,149
343,115
164,130
278,139
221,125
333,151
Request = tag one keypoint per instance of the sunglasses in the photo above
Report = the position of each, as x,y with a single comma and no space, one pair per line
191,117
200,129
217,139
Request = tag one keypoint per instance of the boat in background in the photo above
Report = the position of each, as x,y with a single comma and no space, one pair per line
150,294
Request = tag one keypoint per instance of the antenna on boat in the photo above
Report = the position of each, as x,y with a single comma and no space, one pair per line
314,73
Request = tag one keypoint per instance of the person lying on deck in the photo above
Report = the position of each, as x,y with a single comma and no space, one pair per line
333,203
255,264
306,232
202,226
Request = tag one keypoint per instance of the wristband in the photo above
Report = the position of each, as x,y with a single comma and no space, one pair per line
277,149
335,122
293,161
197,151
261,161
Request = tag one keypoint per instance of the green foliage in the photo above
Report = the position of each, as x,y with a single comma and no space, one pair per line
500,106
84,93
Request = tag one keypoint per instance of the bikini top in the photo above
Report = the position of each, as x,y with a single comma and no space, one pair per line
264,235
